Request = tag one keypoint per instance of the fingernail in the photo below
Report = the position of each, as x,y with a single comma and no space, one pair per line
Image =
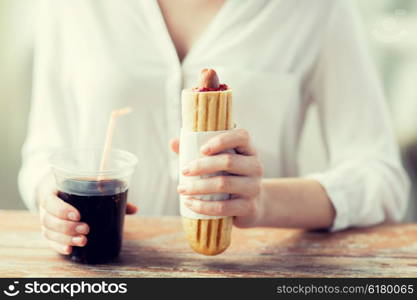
81,229
72,216
79,240
205,149
181,188
185,170
67,249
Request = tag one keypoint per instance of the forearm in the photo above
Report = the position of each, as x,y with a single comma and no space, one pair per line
294,202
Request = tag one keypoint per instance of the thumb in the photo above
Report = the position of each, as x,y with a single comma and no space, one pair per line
175,145
131,208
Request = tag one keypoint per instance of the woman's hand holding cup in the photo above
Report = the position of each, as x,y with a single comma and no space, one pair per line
60,221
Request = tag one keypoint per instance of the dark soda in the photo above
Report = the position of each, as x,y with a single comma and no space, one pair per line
102,205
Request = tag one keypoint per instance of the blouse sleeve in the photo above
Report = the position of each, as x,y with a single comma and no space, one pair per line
364,179
49,122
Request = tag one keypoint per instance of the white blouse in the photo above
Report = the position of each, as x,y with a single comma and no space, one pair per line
278,56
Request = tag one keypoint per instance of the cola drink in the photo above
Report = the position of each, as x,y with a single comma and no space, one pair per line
102,205
98,193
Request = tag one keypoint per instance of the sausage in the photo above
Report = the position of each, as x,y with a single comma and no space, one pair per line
209,79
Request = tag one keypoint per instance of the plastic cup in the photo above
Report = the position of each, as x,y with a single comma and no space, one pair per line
99,196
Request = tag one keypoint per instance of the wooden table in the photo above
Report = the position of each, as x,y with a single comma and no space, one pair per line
156,247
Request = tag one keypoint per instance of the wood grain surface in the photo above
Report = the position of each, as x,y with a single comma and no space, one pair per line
156,247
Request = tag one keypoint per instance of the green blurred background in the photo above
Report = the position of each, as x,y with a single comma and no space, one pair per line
391,27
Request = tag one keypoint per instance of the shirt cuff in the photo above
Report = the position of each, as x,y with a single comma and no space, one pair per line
335,191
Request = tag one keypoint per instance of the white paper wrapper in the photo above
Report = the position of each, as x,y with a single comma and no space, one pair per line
190,144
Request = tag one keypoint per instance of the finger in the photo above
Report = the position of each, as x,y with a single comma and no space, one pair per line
59,208
244,186
60,248
63,226
64,239
235,207
232,163
175,145
235,139
131,208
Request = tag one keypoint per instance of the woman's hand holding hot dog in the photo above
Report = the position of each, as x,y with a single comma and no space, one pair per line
244,183
275,202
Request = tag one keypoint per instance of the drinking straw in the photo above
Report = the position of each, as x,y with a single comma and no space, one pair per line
109,135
